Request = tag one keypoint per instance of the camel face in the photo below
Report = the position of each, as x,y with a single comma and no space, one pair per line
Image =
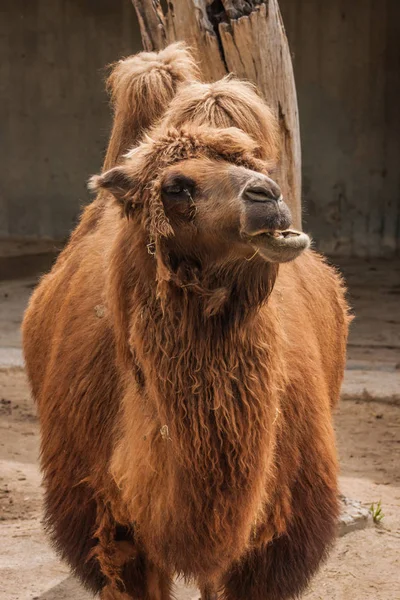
232,208
207,193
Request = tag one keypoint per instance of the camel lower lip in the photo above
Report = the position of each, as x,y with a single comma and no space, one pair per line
280,245
285,237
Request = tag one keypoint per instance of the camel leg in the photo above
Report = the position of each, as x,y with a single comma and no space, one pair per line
158,584
155,585
122,553
110,592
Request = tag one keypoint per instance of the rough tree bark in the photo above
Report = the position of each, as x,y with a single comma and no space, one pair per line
245,37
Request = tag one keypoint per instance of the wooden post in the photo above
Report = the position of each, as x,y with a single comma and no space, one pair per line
246,37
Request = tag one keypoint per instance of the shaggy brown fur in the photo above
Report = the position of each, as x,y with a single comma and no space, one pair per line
184,383
141,88
144,87
227,103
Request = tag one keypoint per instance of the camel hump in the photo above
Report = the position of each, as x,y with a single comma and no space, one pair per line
228,102
141,88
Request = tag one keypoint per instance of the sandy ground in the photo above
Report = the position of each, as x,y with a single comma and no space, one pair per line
364,565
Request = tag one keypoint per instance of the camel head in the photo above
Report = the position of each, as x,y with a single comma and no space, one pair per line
203,194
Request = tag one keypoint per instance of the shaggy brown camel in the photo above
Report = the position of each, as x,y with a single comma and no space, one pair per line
185,352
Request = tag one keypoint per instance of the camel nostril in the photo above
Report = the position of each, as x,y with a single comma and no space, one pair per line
263,193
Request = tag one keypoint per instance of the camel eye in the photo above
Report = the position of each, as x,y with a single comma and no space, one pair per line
179,188
174,189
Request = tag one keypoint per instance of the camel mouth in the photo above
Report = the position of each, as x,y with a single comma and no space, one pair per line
277,245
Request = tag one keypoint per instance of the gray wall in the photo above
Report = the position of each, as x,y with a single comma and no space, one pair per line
55,118
54,113
347,67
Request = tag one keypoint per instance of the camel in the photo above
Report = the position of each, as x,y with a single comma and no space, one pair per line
186,352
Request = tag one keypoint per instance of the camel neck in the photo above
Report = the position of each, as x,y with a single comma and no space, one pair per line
208,377
201,416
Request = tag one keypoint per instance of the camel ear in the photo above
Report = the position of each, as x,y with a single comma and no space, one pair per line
117,181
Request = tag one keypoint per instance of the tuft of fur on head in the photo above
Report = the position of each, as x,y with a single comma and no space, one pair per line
228,102
141,87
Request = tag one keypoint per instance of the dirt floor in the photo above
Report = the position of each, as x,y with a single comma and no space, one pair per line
364,565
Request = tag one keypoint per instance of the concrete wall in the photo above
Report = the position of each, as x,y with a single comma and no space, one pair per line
54,112
347,67
55,117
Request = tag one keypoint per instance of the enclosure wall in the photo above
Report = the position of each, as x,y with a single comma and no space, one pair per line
55,117
347,67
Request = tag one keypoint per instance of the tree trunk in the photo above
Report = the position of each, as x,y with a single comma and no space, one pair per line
245,37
